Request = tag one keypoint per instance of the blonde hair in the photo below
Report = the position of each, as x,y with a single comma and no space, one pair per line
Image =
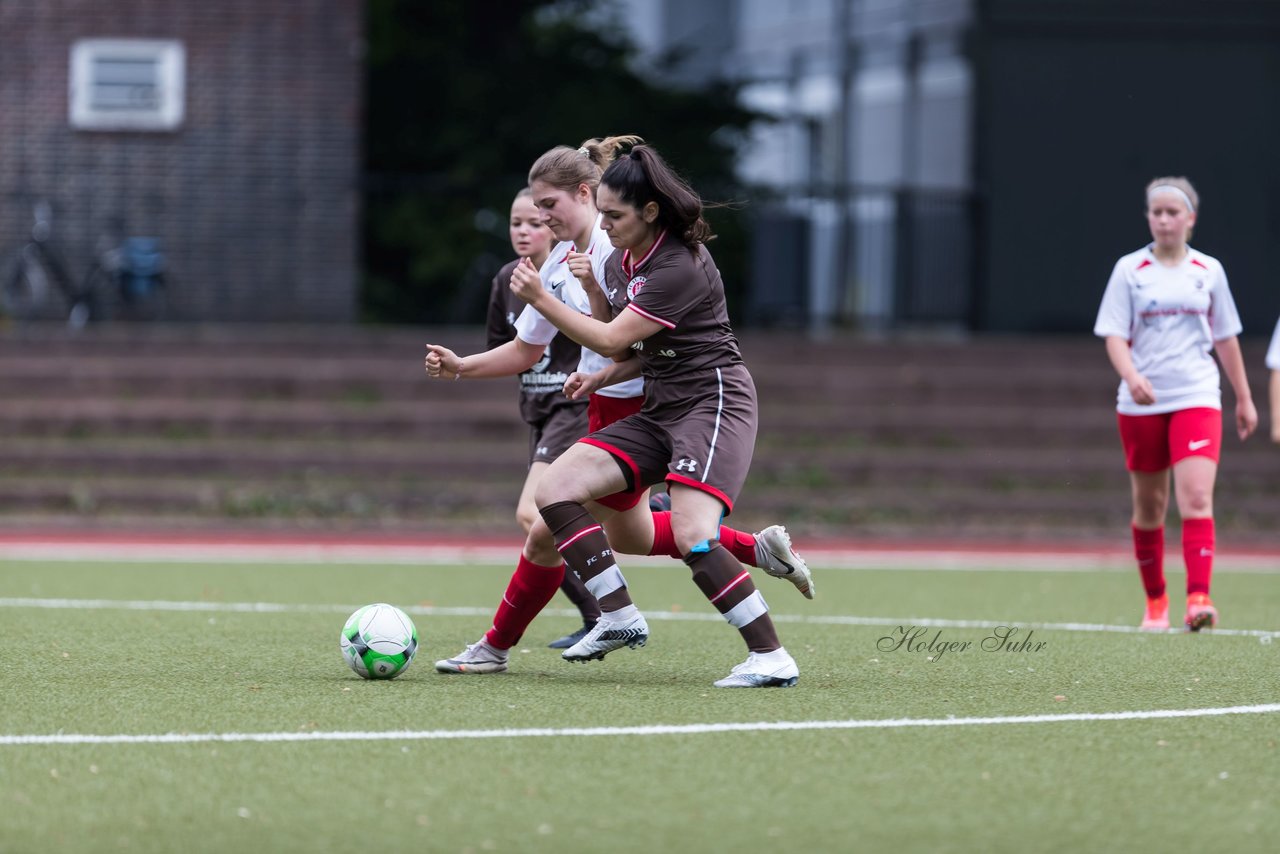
1181,185
566,168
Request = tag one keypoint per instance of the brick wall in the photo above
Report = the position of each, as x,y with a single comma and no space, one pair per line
254,197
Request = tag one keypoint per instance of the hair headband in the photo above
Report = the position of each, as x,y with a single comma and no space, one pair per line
1169,188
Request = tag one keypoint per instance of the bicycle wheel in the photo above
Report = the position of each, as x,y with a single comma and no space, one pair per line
26,288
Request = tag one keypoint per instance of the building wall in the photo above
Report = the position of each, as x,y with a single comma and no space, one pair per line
1081,110
255,197
871,104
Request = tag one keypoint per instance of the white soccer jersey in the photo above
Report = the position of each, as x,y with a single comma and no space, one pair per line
533,328
1273,352
1171,317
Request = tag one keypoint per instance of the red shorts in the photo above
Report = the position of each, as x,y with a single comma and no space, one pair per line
1153,443
603,411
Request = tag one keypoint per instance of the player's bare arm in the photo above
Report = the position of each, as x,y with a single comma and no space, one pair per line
1228,350
1122,361
608,339
508,360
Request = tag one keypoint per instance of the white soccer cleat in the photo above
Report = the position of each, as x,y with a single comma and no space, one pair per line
775,669
478,657
606,636
776,557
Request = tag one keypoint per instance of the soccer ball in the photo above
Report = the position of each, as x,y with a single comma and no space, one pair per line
379,641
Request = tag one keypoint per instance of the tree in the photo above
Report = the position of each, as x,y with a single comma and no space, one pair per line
462,97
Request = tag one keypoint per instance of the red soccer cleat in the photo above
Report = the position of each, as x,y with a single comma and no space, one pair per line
1157,616
1200,612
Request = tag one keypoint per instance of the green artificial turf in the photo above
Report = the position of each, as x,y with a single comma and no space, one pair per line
1095,785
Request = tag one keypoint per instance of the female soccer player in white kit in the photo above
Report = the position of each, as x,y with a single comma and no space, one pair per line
1165,308
1273,362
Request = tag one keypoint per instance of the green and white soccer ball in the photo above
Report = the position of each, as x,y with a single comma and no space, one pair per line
379,641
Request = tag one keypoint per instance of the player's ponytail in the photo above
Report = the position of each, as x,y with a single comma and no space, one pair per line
567,168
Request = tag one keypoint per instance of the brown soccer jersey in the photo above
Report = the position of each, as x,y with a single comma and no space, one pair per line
698,425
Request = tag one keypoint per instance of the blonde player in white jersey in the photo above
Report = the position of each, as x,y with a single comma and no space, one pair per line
1166,307
1273,362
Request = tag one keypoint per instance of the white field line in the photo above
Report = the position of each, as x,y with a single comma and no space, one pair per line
661,729
688,616
491,555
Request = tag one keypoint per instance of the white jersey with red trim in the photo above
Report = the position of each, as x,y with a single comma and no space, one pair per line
533,328
1273,352
1171,317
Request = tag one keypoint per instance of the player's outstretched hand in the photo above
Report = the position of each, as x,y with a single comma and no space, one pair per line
526,283
442,363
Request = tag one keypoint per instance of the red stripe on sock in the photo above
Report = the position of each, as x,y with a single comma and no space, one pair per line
577,537
732,584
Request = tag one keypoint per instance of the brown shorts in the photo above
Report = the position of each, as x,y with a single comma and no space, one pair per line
708,446
556,433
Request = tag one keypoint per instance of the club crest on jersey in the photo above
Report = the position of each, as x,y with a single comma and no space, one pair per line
635,286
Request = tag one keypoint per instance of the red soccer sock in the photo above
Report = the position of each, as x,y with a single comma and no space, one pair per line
1148,548
664,541
1197,549
529,591
739,543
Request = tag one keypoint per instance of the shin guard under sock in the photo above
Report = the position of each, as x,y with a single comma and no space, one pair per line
585,549
728,586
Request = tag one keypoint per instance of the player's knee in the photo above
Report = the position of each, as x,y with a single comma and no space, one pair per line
526,515
540,546
1196,502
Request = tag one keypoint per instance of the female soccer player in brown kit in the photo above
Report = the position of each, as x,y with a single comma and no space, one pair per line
563,182
555,422
1166,307
696,431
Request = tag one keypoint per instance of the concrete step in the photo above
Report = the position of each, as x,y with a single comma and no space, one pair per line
331,427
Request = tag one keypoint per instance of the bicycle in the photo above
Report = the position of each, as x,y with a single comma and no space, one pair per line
37,273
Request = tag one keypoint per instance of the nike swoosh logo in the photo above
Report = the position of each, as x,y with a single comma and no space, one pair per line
1198,444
